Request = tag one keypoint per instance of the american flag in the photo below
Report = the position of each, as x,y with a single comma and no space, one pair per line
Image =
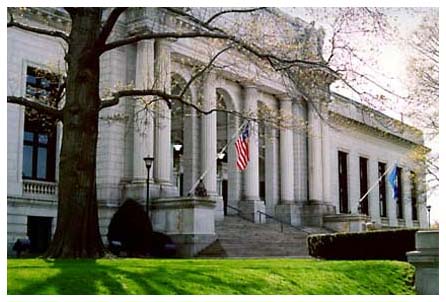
242,148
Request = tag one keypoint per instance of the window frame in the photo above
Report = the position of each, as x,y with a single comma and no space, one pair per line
38,128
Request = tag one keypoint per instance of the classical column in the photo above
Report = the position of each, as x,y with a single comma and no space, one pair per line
142,120
272,191
234,175
287,210
315,156
251,203
163,152
354,192
286,155
407,197
300,153
251,173
374,194
209,135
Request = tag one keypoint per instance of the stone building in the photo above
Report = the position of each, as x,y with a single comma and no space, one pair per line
313,178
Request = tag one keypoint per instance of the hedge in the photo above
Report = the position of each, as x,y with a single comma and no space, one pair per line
388,244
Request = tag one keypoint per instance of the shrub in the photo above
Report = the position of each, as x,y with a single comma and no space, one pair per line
130,230
388,244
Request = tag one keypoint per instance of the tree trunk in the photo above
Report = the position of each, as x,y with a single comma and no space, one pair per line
77,232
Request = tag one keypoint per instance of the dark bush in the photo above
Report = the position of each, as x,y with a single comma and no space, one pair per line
130,230
388,244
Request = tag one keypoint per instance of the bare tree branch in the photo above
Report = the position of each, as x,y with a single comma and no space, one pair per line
35,105
41,31
109,24
203,70
232,11
256,51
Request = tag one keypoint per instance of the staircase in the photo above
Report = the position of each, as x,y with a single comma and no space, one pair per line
237,237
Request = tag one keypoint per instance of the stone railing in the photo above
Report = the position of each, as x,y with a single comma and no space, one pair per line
40,189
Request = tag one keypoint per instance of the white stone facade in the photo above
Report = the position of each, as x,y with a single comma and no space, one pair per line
294,179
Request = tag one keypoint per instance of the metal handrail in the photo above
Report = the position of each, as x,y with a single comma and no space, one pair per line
239,212
280,221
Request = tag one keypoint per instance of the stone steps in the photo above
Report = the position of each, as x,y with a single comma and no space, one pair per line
241,238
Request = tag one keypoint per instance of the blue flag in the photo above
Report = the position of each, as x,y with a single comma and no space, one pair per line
393,180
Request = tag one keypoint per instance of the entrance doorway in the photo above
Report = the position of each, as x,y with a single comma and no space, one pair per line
39,233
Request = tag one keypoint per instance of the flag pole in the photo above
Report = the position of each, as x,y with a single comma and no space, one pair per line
236,133
374,185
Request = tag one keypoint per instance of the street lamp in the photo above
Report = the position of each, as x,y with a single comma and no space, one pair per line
429,214
148,161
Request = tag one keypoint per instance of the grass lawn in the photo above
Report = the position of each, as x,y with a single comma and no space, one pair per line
203,276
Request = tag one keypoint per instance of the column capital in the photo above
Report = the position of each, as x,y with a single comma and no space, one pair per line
284,97
246,84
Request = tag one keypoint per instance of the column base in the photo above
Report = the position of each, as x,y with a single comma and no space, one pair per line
189,221
314,211
290,213
219,213
249,209
346,223
189,245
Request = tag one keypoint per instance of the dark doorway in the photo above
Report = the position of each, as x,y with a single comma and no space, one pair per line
414,195
364,184
382,190
39,233
224,193
343,182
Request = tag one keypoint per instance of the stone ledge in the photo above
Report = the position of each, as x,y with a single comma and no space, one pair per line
346,222
183,202
345,217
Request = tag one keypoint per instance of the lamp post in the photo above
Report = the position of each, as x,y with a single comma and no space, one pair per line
429,214
149,161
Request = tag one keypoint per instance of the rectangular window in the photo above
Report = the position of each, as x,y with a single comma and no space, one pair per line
343,182
39,139
364,185
414,195
382,190
400,197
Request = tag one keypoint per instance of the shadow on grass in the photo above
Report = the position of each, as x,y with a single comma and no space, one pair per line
138,276
89,277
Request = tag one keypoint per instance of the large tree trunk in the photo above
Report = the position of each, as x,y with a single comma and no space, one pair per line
77,232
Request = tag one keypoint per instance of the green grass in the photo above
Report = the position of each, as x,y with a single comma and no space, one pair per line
203,276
